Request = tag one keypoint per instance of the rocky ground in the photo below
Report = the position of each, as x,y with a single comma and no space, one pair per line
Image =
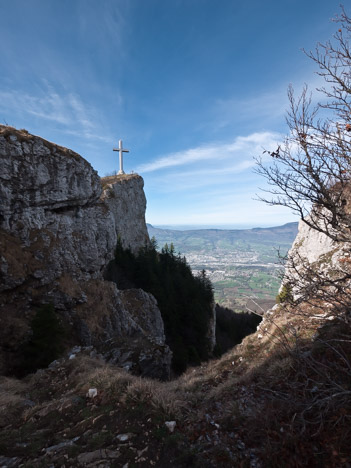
280,399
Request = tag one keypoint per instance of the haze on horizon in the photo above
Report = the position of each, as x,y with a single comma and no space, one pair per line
195,89
192,227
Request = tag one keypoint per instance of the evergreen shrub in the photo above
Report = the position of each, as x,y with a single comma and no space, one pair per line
285,294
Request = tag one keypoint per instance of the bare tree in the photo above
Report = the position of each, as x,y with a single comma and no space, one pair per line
312,166
310,173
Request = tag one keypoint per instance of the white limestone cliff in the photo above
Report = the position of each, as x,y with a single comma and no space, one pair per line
127,197
313,258
311,244
59,224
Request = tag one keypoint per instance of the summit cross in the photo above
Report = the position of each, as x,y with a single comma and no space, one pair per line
121,150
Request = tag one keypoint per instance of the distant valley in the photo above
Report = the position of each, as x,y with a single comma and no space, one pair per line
242,264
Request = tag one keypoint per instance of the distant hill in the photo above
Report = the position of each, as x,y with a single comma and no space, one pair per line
241,263
199,239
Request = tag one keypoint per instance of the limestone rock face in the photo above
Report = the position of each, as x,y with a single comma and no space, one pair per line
59,224
311,244
143,308
312,255
52,197
127,197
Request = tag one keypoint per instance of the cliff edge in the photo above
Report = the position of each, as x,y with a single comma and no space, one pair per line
59,225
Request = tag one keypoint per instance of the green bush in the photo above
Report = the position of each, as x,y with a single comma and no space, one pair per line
285,294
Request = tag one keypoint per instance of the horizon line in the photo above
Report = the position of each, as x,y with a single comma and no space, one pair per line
218,226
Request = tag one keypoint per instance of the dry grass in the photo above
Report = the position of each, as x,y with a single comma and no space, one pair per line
113,385
285,394
160,398
289,392
118,178
11,390
23,135
118,386
12,398
109,380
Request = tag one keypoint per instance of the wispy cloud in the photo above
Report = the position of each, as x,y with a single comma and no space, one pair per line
48,107
105,25
180,158
264,109
239,150
67,110
269,105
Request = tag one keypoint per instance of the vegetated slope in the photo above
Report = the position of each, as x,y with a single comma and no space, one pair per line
280,399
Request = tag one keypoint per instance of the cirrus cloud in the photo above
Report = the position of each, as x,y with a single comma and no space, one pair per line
242,147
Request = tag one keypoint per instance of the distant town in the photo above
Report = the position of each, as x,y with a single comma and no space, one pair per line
243,265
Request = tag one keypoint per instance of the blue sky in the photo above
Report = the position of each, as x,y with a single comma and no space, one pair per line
195,88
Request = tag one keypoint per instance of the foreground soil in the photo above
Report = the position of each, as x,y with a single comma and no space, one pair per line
282,398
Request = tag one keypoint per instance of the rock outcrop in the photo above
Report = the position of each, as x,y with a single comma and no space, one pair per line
127,197
311,244
318,269
59,224
311,253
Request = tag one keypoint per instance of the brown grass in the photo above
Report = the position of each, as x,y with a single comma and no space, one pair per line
12,398
108,180
23,135
285,396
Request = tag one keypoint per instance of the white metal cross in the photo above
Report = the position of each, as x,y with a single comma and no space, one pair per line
121,150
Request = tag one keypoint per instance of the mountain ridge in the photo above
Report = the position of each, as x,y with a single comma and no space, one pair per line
293,223
287,232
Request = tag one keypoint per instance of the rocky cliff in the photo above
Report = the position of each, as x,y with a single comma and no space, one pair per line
280,398
317,265
59,224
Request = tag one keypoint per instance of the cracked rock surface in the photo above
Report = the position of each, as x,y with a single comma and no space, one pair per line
59,224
